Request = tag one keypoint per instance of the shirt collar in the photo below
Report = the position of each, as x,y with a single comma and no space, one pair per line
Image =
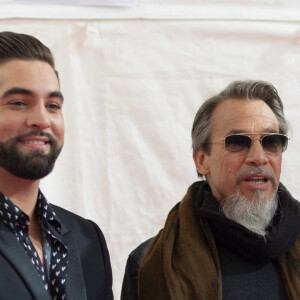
46,213
14,217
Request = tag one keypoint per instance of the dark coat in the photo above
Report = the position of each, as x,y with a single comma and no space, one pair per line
89,274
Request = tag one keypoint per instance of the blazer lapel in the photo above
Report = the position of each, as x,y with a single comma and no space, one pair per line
75,284
11,249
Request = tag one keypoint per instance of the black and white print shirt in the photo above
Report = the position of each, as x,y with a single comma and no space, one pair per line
54,273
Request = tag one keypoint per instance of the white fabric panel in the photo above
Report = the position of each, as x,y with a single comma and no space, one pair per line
132,88
264,10
81,2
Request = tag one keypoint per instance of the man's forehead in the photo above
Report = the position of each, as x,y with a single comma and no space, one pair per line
28,74
15,64
243,115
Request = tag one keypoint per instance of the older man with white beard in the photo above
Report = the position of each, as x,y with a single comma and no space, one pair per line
235,234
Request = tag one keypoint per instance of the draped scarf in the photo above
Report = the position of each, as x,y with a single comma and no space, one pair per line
182,263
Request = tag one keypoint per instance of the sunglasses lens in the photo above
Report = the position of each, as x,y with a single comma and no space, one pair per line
275,143
237,143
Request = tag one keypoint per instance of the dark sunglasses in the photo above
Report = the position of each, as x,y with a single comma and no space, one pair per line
272,143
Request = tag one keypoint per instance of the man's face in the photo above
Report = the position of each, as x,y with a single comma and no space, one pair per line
247,171
31,120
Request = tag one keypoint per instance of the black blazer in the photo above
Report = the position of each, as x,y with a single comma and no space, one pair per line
130,280
89,274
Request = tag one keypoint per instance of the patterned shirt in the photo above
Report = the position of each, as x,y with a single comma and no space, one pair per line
54,273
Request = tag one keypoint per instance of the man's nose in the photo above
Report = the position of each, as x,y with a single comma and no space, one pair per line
39,118
256,155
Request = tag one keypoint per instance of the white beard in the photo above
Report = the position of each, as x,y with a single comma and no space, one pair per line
255,214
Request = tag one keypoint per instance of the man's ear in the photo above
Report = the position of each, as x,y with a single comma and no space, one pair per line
201,159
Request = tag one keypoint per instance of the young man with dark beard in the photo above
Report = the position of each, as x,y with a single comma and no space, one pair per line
235,234
46,252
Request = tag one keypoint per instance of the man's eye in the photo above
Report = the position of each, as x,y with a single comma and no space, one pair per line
54,106
17,103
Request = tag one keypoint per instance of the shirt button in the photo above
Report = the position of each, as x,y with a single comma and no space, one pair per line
27,241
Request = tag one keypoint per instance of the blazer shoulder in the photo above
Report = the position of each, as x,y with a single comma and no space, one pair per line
130,281
139,252
70,219
91,248
66,213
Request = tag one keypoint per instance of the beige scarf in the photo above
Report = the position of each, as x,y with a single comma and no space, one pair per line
183,264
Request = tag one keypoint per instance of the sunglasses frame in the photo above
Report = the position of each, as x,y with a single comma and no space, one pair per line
262,135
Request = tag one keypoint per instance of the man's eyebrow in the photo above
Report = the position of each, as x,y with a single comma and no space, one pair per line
16,90
271,130
239,131
57,94
235,131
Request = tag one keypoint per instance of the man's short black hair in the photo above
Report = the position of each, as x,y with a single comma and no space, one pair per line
23,46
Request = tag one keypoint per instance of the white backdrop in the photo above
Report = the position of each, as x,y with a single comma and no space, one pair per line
133,79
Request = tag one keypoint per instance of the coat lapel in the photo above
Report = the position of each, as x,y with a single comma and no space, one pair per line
11,249
75,287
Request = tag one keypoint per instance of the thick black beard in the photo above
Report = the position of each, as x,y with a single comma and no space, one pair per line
33,166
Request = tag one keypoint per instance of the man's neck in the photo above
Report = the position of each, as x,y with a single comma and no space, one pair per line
22,192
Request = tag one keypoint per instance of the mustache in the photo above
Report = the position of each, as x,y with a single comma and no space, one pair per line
254,170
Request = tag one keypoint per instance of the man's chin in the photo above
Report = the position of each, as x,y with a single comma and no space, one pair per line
33,166
33,171
251,195
33,152
256,194
254,211
27,149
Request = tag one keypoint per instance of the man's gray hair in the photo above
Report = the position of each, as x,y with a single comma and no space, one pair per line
239,90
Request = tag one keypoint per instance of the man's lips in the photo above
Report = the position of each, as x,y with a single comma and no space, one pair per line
37,140
257,178
34,142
